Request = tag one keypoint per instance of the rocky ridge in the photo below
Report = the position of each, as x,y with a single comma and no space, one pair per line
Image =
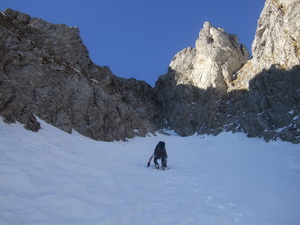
213,88
45,70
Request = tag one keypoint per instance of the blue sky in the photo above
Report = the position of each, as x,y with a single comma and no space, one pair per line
138,38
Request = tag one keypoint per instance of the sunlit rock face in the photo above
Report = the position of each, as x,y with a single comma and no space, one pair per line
276,43
213,62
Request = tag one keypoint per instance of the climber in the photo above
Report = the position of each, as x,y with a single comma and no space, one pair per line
159,153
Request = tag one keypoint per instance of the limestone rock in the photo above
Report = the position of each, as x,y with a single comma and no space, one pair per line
277,41
208,90
213,62
45,70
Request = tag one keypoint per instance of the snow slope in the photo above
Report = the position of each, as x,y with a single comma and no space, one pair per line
52,177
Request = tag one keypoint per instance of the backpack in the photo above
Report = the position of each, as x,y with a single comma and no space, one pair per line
160,150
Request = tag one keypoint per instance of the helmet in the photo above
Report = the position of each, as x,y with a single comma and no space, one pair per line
161,144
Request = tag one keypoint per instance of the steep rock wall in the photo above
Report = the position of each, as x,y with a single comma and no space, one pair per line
276,42
260,98
45,70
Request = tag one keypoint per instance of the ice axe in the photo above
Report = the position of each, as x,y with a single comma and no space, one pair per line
148,164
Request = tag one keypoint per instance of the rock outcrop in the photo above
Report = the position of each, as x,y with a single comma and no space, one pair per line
45,70
213,62
197,78
276,41
208,89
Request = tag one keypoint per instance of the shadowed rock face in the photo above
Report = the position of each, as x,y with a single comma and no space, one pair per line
45,70
270,109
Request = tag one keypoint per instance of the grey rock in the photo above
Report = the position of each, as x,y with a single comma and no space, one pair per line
45,71
260,98
276,41
213,62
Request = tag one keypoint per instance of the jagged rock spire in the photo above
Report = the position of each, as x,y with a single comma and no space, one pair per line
213,62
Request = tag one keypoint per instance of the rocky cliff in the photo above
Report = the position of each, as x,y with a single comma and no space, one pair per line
276,41
45,70
213,62
213,88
